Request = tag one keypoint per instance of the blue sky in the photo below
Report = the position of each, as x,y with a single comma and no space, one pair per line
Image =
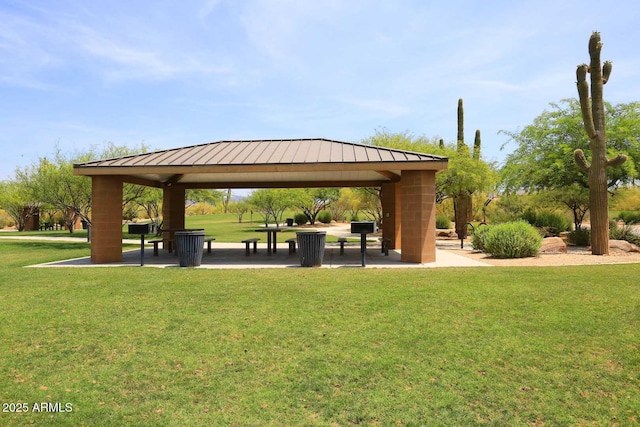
76,74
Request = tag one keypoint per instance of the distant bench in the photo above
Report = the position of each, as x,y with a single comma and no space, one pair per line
247,242
169,244
342,241
292,245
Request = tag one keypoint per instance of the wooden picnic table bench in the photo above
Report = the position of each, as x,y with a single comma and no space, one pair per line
169,244
292,245
253,240
342,241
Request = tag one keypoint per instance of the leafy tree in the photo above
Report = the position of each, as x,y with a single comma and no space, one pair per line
544,157
238,208
370,203
150,201
52,183
273,202
465,173
347,202
211,197
314,200
16,202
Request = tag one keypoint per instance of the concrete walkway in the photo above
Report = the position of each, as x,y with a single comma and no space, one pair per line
232,255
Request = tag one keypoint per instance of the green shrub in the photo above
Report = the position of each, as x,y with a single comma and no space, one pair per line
626,232
512,240
629,218
551,222
300,218
324,217
356,217
507,208
442,222
478,237
580,237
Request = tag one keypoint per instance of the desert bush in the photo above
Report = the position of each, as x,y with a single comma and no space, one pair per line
443,222
507,208
199,208
552,223
478,237
629,217
300,218
579,237
517,239
325,217
626,232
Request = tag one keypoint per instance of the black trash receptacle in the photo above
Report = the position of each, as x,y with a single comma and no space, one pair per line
189,247
289,222
311,247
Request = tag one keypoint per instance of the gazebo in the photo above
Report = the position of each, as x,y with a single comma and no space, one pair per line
407,180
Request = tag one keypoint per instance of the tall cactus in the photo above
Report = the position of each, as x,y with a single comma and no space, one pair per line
476,146
463,201
460,125
593,116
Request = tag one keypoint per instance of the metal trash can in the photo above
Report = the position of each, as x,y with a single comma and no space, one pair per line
311,247
189,247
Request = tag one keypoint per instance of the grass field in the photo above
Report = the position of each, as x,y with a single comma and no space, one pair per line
224,227
316,347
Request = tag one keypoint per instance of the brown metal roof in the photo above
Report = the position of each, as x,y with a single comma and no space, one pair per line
266,163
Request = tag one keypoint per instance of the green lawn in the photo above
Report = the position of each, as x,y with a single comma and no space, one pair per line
317,347
224,227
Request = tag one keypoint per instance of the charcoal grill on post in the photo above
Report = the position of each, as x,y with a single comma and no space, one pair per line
141,229
363,228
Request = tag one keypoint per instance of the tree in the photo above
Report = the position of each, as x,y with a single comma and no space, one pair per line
350,201
238,208
371,203
314,200
150,200
273,202
52,182
544,156
16,202
212,197
466,173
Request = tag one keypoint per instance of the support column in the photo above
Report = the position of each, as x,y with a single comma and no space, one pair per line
106,219
173,210
391,214
418,206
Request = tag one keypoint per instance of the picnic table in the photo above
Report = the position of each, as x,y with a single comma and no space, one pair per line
272,234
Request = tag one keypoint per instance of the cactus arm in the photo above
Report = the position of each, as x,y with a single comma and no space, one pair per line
606,72
476,145
581,160
617,161
583,93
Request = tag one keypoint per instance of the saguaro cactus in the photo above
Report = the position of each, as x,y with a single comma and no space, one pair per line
476,146
594,124
463,201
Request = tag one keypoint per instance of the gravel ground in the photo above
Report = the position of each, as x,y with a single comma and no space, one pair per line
574,256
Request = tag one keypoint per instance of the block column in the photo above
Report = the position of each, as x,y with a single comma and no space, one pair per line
418,206
106,219
173,210
391,214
